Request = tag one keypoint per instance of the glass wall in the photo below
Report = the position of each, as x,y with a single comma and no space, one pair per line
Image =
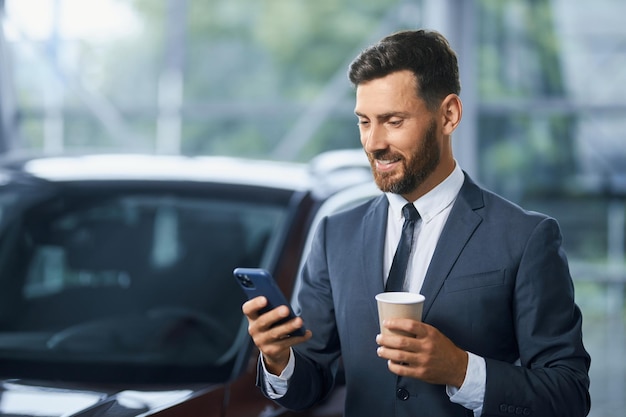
551,136
254,78
543,92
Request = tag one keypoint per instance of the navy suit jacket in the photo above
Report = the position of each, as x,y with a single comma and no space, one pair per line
498,285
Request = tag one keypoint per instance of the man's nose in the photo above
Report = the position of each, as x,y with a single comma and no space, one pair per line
373,139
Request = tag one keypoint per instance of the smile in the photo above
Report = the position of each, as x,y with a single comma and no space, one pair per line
386,164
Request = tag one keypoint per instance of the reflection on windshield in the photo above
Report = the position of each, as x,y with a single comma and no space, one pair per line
150,400
18,400
130,278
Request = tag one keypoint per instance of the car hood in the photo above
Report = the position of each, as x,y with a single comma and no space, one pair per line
33,398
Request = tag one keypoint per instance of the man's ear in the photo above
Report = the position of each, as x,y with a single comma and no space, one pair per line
451,112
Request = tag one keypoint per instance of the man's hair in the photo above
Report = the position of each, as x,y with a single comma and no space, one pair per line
427,54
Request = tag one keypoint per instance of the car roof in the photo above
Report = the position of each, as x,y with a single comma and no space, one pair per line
325,174
148,167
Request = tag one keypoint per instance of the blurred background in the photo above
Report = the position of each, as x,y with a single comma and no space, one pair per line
543,87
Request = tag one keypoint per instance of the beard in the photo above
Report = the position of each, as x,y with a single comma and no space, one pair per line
415,168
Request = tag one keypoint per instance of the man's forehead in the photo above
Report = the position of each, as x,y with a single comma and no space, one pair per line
395,93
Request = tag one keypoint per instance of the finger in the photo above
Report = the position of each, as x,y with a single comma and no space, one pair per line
280,329
405,369
398,361
405,326
286,338
251,307
271,326
274,346
291,326
396,341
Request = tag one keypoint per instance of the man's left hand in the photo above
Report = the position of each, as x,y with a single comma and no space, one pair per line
423,353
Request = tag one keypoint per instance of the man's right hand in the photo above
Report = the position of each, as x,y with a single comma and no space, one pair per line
273,341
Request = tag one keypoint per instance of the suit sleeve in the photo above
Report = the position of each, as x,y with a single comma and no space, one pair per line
553,377
316,361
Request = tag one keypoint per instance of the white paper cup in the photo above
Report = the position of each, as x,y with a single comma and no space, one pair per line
399,305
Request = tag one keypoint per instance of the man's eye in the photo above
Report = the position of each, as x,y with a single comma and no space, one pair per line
395,122
362,122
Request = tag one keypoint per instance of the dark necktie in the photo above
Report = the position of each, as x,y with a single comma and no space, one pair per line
395,281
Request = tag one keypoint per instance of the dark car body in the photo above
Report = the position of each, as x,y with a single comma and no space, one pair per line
116,289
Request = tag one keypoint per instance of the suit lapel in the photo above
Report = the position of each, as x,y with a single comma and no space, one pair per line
459,228
373,233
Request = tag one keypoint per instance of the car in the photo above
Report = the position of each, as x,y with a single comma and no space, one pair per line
117,295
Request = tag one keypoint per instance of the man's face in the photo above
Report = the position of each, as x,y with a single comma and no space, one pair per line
398,133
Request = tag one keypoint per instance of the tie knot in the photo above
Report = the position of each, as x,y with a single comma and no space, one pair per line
410,213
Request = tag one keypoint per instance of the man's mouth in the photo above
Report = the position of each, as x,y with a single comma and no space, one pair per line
385,165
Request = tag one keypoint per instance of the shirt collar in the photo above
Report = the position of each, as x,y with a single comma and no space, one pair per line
433,202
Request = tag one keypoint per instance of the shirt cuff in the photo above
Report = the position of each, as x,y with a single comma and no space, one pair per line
471,395
276,386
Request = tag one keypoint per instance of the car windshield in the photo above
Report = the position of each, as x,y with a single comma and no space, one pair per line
104,283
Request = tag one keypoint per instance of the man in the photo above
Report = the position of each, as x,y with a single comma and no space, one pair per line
501,334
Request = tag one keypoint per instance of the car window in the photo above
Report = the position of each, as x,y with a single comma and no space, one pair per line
132,241
343,200
130,277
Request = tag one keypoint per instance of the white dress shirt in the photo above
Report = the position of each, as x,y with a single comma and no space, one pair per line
434,208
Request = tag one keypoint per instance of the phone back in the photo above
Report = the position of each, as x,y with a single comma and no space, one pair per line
256,282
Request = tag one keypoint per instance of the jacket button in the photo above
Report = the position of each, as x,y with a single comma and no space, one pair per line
402,394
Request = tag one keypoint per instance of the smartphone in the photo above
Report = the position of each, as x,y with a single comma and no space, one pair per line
258,281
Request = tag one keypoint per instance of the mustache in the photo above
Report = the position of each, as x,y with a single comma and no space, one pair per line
384,155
